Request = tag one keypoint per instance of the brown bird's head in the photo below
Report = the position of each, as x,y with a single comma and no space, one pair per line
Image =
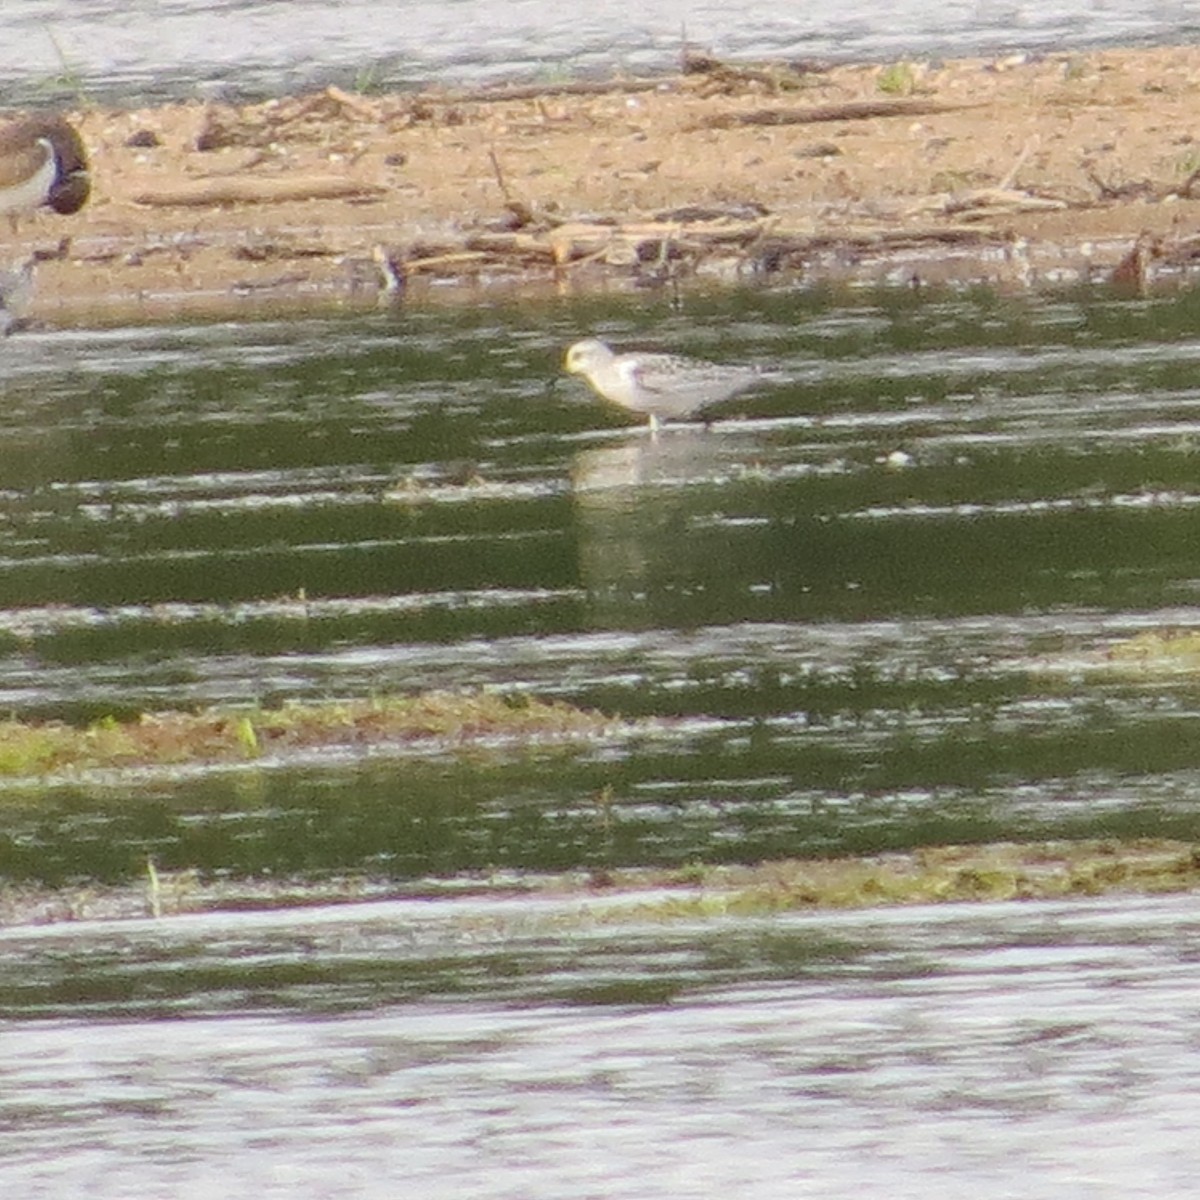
73,183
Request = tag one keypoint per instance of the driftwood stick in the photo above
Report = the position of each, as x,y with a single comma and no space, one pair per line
536,91
361,108
851,110
1006,183
208,192
462,258
499,173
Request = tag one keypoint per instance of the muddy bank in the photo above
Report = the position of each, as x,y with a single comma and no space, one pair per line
1014,172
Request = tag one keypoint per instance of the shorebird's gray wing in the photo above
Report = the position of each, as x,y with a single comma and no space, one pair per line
643,376
665,385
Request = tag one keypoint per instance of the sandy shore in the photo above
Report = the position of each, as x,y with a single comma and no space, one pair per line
1015,172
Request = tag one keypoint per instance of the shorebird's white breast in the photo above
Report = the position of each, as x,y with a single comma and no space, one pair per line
21,197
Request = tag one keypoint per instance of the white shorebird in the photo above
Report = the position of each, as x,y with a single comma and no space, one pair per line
664,386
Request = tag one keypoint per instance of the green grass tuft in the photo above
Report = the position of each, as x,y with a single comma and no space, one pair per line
899,79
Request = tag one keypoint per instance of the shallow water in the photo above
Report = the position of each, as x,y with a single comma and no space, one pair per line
868,608
843,649
447,1049
55,49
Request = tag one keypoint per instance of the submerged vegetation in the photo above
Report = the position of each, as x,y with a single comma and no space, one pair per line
996,872
947,874
1158,650
30,749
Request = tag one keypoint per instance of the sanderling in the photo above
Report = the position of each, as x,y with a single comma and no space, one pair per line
664,386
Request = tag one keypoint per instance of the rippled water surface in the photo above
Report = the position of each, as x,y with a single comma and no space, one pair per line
1036,1050
869,607
53,48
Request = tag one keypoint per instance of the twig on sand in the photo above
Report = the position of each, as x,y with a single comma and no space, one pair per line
851,110
210,192
1019,162
536,91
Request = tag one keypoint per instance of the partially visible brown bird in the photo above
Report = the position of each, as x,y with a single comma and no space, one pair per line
42,164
